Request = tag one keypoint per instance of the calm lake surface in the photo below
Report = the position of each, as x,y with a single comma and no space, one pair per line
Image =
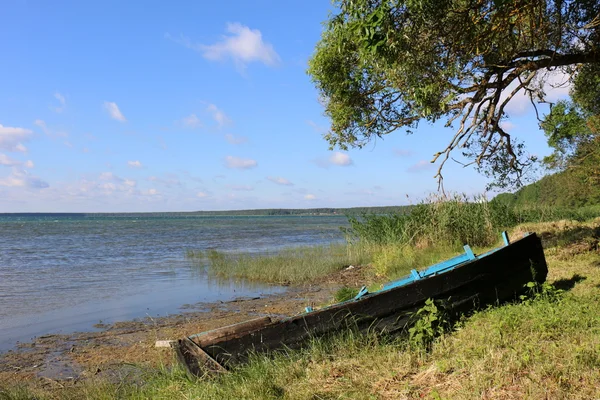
62,274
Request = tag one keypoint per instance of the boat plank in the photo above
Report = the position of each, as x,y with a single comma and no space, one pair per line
497,277
227,332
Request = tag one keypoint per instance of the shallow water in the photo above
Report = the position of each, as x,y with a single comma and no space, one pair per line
65,274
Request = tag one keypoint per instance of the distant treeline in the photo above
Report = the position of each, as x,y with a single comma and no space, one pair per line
256,212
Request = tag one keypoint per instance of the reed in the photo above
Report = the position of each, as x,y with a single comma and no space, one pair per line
545,347
454,220
288,266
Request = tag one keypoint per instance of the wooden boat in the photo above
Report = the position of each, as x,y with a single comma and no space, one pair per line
464,283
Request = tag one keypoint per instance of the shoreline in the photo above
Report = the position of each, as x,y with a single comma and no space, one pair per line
128,347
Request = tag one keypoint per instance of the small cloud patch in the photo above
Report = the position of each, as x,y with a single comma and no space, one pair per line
233,139
11,138
241,44
134,164
113,111
191,121
280,181
239,163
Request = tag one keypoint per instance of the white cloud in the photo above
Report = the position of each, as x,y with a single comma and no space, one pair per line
134,164
22,178
235,139
11,162
201,195
240,163
507,126
422,165
109,186
108,176
12,181
63,102
113,111
280,181
7,161
243,45
60,98
218,115
151,192
11,138
42,125
191,121
310,197
341,159
556,85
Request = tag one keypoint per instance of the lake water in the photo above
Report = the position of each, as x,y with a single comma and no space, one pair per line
62,274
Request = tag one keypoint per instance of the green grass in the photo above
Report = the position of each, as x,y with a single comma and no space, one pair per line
289,266
455,220
344,294
392,244
547,346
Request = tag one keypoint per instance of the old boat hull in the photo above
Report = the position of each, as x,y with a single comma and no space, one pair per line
494,277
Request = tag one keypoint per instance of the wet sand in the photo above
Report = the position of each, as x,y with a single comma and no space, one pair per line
124,349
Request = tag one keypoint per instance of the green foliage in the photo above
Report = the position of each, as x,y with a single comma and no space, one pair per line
566,128
383,66
573,130
452,220
545,347
392,258
430,322
290,265
586,89
563,195
541,291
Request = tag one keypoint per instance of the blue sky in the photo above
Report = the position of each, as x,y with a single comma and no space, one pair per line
182,106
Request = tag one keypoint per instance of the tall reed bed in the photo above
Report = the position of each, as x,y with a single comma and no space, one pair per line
438,228
393,244
457,219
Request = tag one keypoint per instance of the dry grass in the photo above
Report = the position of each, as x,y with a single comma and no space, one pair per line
547,347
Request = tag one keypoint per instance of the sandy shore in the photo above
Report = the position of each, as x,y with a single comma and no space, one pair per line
126,348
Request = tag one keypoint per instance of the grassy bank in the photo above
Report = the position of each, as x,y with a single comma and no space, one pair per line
391,244
545,347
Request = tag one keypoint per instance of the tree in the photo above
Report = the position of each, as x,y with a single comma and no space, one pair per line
573,129
385,65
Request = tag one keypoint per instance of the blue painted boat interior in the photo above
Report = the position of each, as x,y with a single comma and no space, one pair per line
436,269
